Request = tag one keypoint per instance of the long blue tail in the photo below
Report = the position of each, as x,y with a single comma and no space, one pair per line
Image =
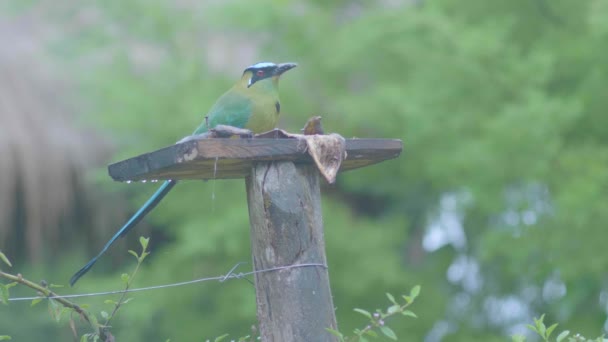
146,208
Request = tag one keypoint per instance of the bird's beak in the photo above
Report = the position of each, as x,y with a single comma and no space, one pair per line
281,68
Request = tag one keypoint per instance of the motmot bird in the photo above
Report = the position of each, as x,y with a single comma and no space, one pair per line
251,104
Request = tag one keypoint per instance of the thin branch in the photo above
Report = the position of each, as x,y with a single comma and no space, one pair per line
47,293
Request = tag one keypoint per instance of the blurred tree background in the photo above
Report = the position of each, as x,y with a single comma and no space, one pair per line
498,205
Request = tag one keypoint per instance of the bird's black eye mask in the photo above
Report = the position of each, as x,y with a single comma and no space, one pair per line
260,74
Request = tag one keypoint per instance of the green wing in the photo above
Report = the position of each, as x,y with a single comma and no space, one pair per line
231,109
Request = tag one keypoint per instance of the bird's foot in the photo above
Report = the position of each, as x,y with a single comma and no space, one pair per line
225,131
205,135
220,131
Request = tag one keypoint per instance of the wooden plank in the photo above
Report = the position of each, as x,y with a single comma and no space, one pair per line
293,304
222,158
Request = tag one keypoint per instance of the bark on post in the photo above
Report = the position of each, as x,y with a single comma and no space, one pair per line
287,229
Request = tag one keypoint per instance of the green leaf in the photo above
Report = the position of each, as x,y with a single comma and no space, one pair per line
220,338
125,278
391,298
5,259
388,332
54,310
94,320
550,329
143,256
110,302
415,292
61,312
562,335
54,286
531,327
371,333
104,314
5,338
4,294
144,242
540,326
518,338
409,313
4,291
335,333
393,309
364,312
134,254
35,301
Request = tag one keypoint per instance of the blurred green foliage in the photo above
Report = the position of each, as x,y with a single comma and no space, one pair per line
502,110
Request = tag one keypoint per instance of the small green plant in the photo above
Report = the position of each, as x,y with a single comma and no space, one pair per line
377,320
127,281
545,333
59,306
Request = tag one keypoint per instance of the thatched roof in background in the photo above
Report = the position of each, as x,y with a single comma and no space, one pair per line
43,152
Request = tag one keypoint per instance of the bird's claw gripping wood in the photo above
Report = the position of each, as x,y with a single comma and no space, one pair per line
225,131
220,131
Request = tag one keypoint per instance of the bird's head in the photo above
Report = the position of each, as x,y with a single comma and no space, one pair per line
265,71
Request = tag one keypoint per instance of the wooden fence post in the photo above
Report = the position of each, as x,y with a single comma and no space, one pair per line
287,229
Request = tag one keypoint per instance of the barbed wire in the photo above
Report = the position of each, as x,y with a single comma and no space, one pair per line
221,279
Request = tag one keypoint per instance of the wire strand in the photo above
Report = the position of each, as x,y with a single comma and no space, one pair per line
221,279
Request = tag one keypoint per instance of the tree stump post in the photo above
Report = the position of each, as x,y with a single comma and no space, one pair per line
287,229
293,303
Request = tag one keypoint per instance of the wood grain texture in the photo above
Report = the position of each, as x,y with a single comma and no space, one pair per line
287,229
222,158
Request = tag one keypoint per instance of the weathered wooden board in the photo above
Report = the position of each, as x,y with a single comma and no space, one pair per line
222,158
